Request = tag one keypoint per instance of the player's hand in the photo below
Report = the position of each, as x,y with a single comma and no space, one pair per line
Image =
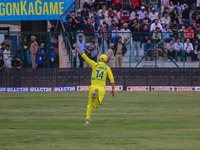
112,93
75,45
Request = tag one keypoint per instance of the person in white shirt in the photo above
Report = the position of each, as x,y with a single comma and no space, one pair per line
178,49
142,13
155,24
7,57
160,19
125,36
132,16
166,19
189,50
153,15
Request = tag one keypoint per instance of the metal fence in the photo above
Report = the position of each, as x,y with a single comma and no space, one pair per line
104,39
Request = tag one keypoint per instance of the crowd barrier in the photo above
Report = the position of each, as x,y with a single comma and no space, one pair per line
124,77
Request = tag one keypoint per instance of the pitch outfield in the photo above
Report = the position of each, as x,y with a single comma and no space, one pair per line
145,120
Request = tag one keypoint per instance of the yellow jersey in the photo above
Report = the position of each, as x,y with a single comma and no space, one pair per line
100,71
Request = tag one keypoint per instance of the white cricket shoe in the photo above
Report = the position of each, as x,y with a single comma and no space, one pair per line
87,122
95,94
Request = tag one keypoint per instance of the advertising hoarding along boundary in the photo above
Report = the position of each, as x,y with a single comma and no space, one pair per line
18,10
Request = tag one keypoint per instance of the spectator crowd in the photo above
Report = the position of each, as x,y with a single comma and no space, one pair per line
114,25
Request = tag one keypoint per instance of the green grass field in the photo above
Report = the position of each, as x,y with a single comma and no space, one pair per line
137,120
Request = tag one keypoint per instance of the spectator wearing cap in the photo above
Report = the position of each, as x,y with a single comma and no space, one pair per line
7,57
136,41
89,30
186,15
136,3
142,13
166,18
16,63
155,25
189,34
125,17
164,4
125,34
3,47
87,51
154,4
111,55
33,50
115,34
40,56
81,45
2,64
94,48
117,4
119,51
7,41
167,34
111,18
194,26
153,14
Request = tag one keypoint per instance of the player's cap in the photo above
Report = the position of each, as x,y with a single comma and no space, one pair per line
142,7
193,21
103,57
87,44
153,8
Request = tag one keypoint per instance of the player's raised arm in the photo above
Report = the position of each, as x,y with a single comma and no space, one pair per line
85,57
112,81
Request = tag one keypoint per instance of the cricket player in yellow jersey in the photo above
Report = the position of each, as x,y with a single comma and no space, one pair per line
100,71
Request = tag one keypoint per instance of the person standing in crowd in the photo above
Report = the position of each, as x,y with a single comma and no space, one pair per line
16,63
2,64
135,42
33,50
7,57
81,45
115,34
125,34
89,30
9,42
171,50
94,48
111,55
3,47
119,51
40,56
148,47
52,56
178,49
87,51
189,49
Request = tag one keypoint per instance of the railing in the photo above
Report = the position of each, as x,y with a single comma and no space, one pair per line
101,37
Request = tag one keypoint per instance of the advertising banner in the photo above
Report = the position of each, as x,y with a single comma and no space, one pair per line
18,10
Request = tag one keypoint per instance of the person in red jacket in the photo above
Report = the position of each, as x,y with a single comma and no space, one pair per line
189,34
125,17
117,4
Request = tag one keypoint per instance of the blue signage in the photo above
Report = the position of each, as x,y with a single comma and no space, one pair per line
17,10
14,89
61,89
